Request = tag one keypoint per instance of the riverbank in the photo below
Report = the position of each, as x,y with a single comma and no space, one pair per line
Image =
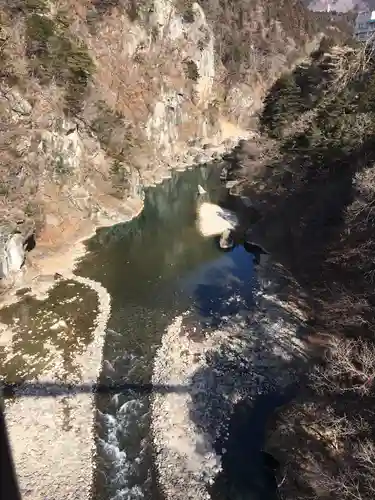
257,351
316,201
50,419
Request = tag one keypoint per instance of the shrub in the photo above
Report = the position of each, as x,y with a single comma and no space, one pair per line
295,93
55,56
106,122
119,177
134,9
282,105
36,5
186,9
191,70
117,136
35,210
13,7
60,166
39,32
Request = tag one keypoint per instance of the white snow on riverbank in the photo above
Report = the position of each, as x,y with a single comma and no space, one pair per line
249,354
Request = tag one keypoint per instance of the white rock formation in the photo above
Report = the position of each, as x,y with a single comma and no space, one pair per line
12,255
213,220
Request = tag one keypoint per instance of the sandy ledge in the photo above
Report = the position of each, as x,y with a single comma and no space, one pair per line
250,354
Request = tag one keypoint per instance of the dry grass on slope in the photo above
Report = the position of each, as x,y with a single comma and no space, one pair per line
325,438
48,79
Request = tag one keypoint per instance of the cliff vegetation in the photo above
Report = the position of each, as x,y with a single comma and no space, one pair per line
315,195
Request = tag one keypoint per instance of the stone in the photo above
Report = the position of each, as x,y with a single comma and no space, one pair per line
246,201
60,324
259,253
231,184
12,255
17,102
224,174
227,239
200,158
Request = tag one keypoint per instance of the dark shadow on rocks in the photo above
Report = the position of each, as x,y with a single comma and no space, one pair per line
9,483
248,472
230,375
54,390
310,436
30,243
234,395
302,198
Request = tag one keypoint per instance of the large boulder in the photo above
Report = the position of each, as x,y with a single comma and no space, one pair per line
213,220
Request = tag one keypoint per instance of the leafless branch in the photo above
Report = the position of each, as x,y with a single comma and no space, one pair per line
350,366
347,63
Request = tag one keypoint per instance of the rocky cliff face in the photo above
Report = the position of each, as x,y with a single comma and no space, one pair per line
99,98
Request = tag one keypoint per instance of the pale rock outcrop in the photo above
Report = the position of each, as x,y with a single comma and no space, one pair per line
13,255
195,41
213,220
13,245
65,150
17,103
162,126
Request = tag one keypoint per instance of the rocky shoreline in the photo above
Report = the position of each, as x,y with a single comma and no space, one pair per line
252,353
53,257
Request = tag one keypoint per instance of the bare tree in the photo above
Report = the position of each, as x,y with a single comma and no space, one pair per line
347,63
349,366
348,479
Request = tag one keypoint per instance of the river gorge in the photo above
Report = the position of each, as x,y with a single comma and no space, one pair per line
193,340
